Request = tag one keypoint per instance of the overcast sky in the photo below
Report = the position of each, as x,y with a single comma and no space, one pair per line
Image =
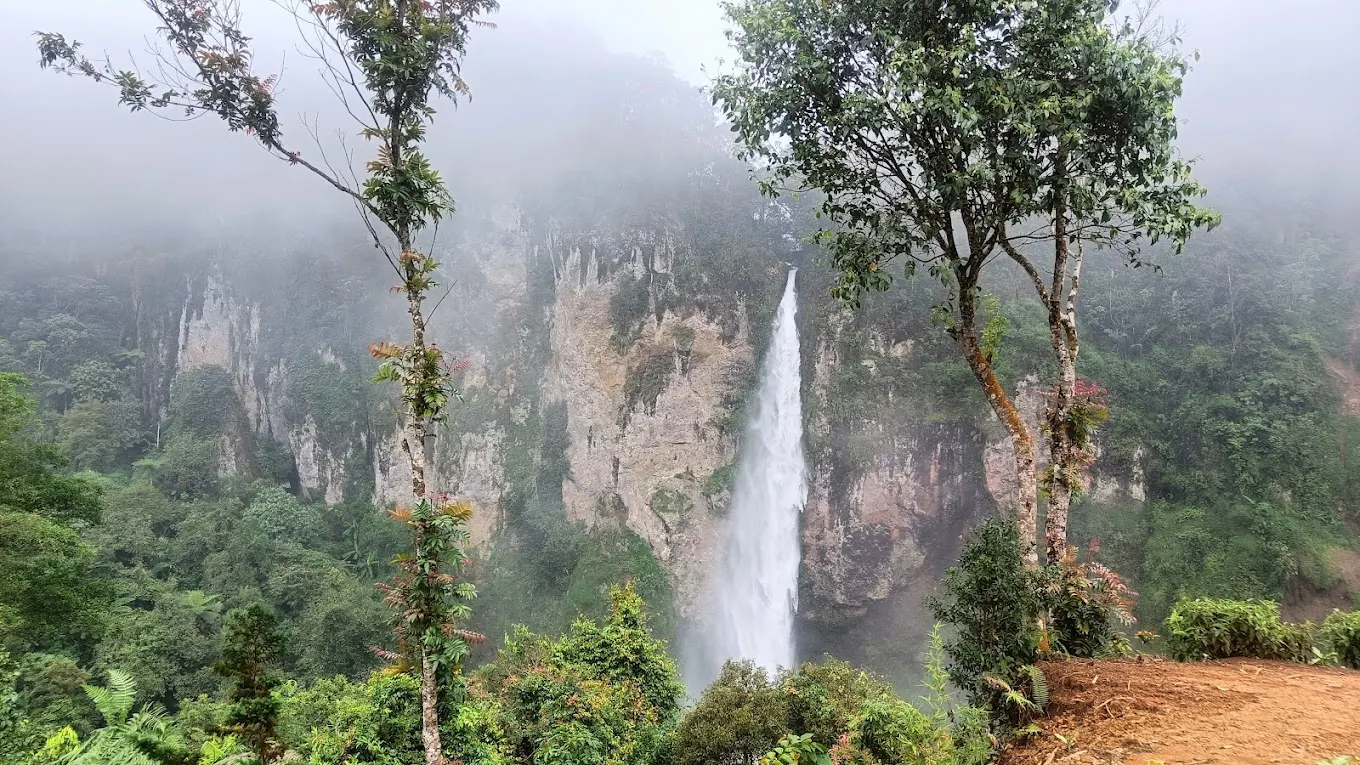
1275,94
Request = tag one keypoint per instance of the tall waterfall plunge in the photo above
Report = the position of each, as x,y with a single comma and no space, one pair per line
757,586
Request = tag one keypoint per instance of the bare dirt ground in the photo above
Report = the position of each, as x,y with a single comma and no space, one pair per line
1157,712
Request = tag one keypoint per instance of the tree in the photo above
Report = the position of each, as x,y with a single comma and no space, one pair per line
47,595
94,433
739,717
252,646
895,114
1106,174
931,129
386,60
33,481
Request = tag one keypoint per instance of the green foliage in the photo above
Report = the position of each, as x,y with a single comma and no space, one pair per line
338,721
740,716
34,479
621,650
669,504
1085,603
613,558
824,698
97,380
167,638
47,595
854,715
283,517
325,391
17,733
203,402
97,433
186,467
142,738
629,306
44,693
1220,394
994,328
606,692
251,647
1221,629
891,730
1341,634
993,605
719,482
427,593
646,381
217,749
793,749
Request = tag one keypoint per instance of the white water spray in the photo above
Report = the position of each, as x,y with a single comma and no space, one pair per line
757,589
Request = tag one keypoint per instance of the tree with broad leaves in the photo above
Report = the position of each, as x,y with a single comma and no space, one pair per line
931,130
1105,175
386,61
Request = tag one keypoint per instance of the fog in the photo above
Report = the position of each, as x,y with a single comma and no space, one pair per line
1271,107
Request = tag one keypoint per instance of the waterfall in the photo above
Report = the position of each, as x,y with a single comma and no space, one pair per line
757,589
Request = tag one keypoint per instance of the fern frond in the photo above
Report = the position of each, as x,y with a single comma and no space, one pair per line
114,701
1039,684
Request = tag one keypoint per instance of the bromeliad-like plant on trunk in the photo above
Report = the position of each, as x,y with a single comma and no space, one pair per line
386,60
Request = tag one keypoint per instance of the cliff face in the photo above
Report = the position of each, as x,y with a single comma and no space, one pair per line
603,351
641,423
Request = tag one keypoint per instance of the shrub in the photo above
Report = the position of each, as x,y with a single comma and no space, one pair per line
1219,629
992,603
823,699
1086,602
973,741
605,692
893,731
372,723
1341,635
737,719
1297,641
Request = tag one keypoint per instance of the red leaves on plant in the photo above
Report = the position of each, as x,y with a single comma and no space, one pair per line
384,350
1083,390
468,636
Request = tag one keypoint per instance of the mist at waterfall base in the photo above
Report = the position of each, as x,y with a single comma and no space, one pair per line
753,595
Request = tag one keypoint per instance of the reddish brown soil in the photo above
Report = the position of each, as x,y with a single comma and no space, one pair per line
1156,712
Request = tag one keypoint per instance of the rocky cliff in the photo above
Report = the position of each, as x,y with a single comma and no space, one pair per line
610,366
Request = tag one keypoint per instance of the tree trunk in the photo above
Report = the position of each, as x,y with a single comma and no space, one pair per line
1022,442
1065,451
429,713
414,445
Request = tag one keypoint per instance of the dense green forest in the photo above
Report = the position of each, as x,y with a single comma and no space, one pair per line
124,550
183,580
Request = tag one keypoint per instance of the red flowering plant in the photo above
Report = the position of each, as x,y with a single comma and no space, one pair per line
1087,604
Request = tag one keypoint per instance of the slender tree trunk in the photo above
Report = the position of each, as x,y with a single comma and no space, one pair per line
1062,472
429,713
1022,442
415,446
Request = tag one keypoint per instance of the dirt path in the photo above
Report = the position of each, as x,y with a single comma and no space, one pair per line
1240,711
